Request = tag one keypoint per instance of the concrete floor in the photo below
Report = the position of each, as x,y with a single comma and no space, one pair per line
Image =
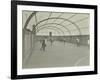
57,55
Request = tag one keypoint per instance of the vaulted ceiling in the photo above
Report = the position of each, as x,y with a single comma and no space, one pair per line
59,23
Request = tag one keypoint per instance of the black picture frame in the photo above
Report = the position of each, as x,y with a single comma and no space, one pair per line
14,56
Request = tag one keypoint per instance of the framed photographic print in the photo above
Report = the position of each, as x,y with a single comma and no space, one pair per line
53,39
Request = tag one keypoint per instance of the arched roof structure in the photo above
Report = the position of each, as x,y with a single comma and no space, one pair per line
65,22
